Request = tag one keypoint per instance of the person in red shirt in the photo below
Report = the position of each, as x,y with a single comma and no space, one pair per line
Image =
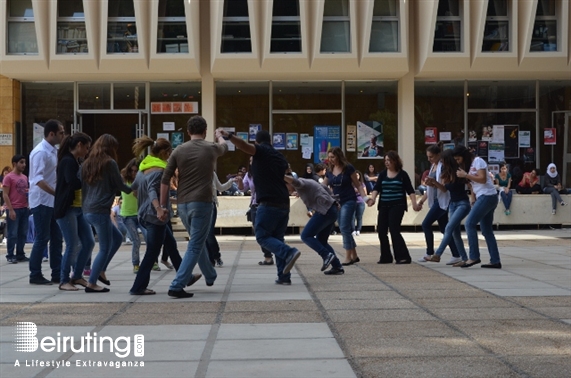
15,193
529,184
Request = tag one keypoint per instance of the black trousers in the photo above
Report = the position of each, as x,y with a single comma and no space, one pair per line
389,220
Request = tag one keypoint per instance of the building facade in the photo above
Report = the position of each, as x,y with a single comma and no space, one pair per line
397,74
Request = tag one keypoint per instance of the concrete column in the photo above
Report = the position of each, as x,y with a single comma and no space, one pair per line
9,114
406,123
208,91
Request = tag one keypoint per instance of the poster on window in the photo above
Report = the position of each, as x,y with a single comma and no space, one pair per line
482,150
511,141
325,138
291,141
525,138
279,141
370,140
496,153
549,137
253,130
529,155
351,143
430,135
177,139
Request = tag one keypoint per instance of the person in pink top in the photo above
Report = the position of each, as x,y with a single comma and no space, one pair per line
15,192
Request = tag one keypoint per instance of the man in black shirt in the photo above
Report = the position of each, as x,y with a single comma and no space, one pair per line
268,169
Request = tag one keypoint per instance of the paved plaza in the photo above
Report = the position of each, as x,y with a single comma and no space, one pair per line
418,320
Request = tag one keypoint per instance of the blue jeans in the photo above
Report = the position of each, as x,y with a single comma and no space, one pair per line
132,223
483,212
196,218
358,216
155,239
317,231
110,240
46,230
506,198
17,233
253,212
345,220
270,227
436,214
456,212
212,245
79,243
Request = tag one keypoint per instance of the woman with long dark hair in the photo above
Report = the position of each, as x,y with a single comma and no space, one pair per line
342,178
152,216
76,232
101,180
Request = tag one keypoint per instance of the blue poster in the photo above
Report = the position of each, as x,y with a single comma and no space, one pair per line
325,138
279,141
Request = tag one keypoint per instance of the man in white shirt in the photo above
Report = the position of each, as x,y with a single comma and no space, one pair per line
43,164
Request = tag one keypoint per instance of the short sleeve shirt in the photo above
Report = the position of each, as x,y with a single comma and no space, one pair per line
18,185
342,184
486,189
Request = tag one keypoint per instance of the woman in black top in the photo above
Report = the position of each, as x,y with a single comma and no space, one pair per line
392,187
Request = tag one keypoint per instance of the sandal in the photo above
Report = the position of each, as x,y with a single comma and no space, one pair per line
266,262
80,282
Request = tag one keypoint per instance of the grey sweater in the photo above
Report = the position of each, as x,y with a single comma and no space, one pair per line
314,195
98,197
148,187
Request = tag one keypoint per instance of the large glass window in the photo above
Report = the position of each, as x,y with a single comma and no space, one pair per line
129,96
290,95
385,27
497,29
236,27
94,96
448,29
501,94
336,31
21,28
71,34
544,35
172,35
121,27
286,27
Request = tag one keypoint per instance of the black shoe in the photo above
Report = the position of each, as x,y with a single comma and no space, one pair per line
195,277
103,280
22,259
180,294
56,280
334,271
102,290
493,266
291,261
349,263
210,283
467,264
327,261
356,260
385,262
280,282
11,260
40,281
401,262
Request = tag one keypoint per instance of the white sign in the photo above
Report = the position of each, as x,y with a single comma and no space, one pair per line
6,139
445,135
168,126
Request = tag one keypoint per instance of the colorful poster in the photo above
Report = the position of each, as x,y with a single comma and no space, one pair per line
291,141
177,139
252,131
351,138
525,139
482,150
430,135
304,140
529,155
496,152
242,135
279,141
370,140
325,138
174,107
549,136
511,141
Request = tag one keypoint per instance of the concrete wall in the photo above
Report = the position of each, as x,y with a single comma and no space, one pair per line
525,210
9,114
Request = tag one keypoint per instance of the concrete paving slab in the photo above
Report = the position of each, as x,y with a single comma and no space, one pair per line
152,369
317,368
271,317
271,305
294,349
372,316
163,333
273,331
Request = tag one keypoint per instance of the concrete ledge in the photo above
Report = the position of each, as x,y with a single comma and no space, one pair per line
532,209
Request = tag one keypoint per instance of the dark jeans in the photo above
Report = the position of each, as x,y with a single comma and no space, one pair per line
389,219
317,231
436,214
155,239
170,248
46,230
211,242
522,190
253,211
506,198
555,197
17,231
110,240
79,243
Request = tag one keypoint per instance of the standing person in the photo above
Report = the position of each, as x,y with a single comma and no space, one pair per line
392,188
101,179
77,233
438,201
153,217
553,186
359,208
504,181
342,178
370,177
458,208
268,169
195,160
483,206
211,243
249,185
43,164
317,230
15,194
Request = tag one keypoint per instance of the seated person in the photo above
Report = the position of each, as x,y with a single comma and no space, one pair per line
320,170
553,186
504,181
529,184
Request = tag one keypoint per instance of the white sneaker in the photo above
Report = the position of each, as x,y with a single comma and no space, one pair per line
128,241
424,258
553,212
563,203
358,233
354,233
454,260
